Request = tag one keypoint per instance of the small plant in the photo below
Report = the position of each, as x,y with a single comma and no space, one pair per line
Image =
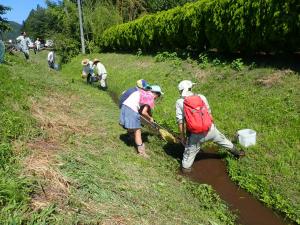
176,62
139,52
252,66
189,60
203,60
161,57
216,62
237,64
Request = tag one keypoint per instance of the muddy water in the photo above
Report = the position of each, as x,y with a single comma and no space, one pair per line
210,169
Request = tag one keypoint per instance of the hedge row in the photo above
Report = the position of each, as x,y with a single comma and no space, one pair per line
241,25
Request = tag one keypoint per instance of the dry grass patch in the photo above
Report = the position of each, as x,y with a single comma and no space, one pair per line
42,164
274,79
55,116
116,220
197,72
144,64
97,209
201,75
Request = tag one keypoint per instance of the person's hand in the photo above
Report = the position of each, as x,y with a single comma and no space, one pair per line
151,120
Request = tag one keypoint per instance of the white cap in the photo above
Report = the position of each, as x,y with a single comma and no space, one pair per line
184,86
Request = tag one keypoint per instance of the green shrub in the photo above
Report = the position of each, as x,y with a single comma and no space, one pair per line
67,47
245,25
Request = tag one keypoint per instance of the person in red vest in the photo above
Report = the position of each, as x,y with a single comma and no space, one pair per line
194,118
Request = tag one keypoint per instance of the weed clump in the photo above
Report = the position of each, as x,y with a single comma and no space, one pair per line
237,64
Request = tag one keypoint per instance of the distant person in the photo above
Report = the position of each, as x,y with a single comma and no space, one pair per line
23,42
194,114
100,73
2,51
51,59
37,44
87,70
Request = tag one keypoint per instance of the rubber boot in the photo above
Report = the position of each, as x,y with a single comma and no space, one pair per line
141,150
236,153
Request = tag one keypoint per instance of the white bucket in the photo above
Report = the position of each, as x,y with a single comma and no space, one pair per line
247,137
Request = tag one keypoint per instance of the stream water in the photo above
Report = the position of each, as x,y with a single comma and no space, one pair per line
210,169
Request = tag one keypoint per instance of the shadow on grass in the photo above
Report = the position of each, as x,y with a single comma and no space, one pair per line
261,60
258,60
129,140
174,150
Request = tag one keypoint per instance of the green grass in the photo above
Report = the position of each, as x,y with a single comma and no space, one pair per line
107,181
264,99
16,124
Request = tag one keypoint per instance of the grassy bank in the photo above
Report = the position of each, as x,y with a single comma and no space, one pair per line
65,162
262,98
16,126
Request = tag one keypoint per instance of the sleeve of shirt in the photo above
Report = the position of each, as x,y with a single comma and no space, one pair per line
179,111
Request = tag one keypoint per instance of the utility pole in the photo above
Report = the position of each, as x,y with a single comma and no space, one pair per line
81,27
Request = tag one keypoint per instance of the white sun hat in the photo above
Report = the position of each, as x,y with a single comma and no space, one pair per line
184,86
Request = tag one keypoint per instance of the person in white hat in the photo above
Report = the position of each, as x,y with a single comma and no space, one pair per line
101,72
194,114
87,70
